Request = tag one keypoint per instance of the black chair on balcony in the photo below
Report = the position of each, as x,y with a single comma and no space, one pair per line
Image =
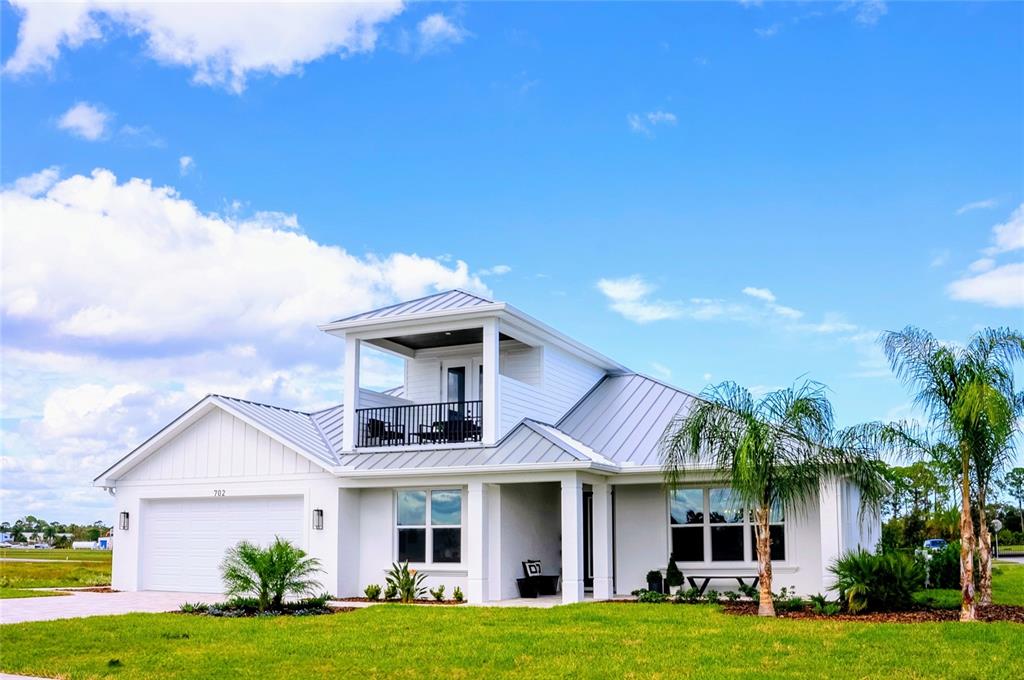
458,428
383,432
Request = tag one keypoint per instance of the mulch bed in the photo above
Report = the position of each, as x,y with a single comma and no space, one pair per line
95,589
366,599
988,613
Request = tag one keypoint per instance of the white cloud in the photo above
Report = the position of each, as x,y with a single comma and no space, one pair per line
787,312
661,370
630,297
101,351
999,287
496,270
186,164
939,259
977,205
759,293
866,12
768,31
989,283
222,43
437,31
644,124
85,120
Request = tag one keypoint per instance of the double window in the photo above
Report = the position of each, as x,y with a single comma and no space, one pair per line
710,525
429,524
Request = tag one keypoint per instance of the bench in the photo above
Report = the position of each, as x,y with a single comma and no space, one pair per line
706,579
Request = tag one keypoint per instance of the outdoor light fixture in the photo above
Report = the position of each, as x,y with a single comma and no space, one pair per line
123,521
318,519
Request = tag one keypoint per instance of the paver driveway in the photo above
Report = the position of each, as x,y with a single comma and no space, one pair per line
79,604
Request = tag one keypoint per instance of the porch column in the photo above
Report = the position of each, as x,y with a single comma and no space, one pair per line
572,538
348,435
492,393
604,586
830,509
476,585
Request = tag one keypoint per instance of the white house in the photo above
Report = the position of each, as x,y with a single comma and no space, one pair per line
508,441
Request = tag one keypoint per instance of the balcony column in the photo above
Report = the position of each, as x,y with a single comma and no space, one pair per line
352,348
572,538
491,408
602,541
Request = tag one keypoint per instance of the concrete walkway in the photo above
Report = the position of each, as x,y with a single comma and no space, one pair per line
79,604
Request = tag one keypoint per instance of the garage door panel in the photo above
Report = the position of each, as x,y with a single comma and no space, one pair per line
184,540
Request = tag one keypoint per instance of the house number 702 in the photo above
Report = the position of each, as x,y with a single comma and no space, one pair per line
218,492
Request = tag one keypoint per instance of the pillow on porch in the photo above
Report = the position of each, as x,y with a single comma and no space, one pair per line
531,568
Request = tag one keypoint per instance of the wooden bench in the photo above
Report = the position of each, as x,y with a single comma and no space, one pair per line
740,578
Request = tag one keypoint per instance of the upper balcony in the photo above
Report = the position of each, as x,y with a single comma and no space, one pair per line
473,369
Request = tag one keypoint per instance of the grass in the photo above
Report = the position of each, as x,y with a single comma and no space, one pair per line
54,572
15,593
1007,588
1012,548
67,555
586,640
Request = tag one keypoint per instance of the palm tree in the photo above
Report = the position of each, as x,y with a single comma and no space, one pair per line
966,394
775,451
269,573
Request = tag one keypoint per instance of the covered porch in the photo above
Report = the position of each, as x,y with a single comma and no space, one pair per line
565,523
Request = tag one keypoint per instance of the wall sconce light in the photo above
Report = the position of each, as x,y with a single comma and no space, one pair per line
318,519
123,521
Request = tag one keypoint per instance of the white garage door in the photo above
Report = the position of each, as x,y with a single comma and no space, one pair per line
184,540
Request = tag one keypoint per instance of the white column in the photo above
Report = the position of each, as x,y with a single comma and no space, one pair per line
830,510
604,587
352,347
476,586
348,543
492,393
572,538
495,578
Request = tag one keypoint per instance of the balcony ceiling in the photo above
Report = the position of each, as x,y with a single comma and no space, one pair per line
466,336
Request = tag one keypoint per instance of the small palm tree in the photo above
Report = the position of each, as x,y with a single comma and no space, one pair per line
774,451
270,574
968,397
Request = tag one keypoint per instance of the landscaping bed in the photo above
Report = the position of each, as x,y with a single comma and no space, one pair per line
989,613
416,601
248,607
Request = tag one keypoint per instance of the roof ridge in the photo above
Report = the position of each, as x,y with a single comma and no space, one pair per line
259,403
416,299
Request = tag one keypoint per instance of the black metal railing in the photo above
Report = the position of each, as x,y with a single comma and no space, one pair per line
445,423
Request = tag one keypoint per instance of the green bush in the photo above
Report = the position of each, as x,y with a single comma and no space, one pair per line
821,605
689,596
438,593
269,574
649,596
673,577
731,595
391,592
876,582
457,594
372,592
942,567
407,583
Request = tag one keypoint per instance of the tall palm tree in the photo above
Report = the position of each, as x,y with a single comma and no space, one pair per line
966,394
774,451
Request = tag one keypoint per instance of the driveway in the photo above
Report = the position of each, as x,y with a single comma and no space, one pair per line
79,604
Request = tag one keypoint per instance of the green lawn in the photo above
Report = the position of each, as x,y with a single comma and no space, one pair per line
586,640
80,555
1007,588
15,593
54,572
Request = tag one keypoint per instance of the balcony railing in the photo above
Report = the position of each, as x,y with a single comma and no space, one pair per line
444,423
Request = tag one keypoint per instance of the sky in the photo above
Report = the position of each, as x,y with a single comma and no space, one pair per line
731,191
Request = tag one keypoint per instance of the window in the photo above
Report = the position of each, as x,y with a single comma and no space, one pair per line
709,525
429,523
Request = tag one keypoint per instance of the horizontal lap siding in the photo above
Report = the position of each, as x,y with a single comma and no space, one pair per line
220,445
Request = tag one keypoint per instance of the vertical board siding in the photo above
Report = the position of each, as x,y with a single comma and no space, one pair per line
220,445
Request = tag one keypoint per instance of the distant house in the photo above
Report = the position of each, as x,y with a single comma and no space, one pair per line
84,545
508,441
105,542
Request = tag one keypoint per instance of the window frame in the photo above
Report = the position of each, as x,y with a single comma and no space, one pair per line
749,550
429,526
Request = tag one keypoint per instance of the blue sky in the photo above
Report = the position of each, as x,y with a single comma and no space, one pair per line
703,191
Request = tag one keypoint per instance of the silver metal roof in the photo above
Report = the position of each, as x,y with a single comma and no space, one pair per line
624,417
448,300
292,426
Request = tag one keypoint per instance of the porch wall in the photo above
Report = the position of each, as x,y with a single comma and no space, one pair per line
530,526
642,543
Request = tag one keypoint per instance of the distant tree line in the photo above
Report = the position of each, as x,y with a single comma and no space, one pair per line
56,534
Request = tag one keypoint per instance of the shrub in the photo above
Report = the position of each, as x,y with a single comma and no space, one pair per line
193,607
407,583
871,582
941,567
649,596
673,577
731,595
689,595
749,591
269,574
391,592
786,600
438,593
457,594
712,597
372,592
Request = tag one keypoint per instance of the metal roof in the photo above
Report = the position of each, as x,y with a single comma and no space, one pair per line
624,418
448,300
292,426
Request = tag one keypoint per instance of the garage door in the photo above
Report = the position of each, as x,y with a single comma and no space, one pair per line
184,540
